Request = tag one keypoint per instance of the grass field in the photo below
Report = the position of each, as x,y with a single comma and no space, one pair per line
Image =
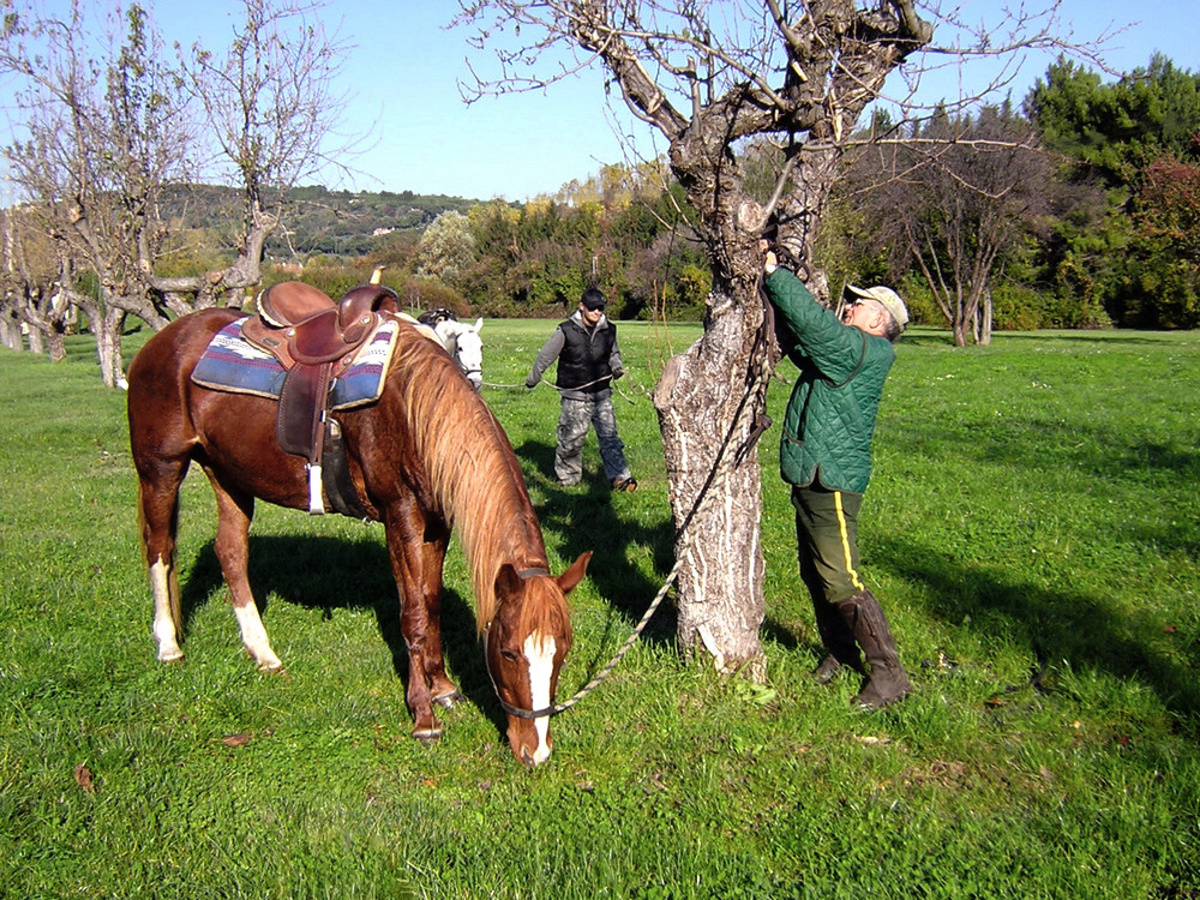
1032,529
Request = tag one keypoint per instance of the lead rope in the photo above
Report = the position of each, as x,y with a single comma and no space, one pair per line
759,376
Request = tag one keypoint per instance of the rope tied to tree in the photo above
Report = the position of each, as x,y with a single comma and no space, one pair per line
757,380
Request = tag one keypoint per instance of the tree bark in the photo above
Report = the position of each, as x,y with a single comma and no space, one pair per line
805,75
715,491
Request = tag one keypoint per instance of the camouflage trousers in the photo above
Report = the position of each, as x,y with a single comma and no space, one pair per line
573,422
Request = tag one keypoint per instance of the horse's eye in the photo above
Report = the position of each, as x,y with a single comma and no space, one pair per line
510,655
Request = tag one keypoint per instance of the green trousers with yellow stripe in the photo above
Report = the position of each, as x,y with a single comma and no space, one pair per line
827,535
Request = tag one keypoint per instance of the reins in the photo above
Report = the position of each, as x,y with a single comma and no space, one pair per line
756,382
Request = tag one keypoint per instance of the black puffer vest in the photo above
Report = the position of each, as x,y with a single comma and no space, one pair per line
584,357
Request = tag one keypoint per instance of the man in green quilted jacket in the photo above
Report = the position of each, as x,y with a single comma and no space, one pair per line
825,455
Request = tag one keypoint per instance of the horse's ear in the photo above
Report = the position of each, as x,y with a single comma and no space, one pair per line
478,324
508,582
570,578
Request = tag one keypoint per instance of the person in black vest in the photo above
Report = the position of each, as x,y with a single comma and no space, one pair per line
588,362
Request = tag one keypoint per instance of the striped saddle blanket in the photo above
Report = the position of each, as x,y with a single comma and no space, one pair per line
231,363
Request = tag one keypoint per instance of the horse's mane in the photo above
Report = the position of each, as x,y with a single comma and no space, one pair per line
471,469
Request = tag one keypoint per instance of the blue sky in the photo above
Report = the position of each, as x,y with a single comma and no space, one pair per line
405,71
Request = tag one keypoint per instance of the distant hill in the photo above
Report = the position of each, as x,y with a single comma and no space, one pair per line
319,220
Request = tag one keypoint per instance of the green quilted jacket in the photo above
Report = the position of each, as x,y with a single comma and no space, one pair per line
830,417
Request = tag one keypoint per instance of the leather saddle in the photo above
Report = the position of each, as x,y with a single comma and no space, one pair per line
315,340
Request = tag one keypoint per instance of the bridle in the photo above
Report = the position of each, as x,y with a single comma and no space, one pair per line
556,708
552,710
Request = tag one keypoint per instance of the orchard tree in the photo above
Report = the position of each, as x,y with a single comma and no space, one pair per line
706,77
110,127
104,133
954,199
31,298
270,105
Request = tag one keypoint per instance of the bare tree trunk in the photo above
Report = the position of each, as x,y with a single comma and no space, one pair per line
36,344
58,345
715,496
10,332
987,317
106,327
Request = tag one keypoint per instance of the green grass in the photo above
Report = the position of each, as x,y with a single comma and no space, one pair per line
1033,512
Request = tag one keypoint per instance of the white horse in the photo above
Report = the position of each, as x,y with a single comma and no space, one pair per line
461,341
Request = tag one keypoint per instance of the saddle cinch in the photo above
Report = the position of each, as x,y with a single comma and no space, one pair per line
315,340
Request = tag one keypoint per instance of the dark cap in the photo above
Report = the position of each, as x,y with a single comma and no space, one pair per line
592,299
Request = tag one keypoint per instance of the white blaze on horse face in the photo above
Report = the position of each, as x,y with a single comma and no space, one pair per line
166,630
539,653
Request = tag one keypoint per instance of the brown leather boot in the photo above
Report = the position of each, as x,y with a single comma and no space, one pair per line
838,641
888,681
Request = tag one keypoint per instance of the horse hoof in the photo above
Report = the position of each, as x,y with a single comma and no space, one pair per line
448,700
428,736
275,668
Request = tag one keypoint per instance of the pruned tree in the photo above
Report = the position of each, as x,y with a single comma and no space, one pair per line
30,289
271,110
707,77
110,127
104,133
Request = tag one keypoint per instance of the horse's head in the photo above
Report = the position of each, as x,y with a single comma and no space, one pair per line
465,345
526,643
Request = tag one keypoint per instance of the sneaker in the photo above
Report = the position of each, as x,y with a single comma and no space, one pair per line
624,484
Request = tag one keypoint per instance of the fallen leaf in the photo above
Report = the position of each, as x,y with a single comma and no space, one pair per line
83,778
236,740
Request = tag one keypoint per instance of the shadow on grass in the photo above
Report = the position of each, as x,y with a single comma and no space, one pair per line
588,517
328,574
1057,623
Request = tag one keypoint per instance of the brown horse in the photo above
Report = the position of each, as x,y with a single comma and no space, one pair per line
427,457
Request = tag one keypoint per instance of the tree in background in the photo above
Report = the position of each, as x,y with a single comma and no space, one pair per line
1127,242
954,198
270,106
30,302
102,139
447,248
110,128
1164,284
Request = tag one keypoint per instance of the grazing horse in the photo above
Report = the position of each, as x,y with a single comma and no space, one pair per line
461,341
428,456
